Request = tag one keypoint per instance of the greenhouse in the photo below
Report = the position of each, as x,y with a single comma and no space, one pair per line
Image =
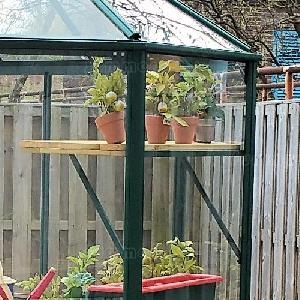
127,166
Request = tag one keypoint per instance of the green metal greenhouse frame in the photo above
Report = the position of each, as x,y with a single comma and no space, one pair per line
137,51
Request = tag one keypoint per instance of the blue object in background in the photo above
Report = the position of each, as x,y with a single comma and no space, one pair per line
286,47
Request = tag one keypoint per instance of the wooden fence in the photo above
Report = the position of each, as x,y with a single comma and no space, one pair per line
275,260
74,224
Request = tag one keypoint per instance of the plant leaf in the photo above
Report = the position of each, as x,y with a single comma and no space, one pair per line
181,121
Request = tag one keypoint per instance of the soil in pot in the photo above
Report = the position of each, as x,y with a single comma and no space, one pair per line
205,132
185,134
157,131
111,126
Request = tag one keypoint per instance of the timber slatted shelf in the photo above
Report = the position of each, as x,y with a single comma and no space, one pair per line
102,148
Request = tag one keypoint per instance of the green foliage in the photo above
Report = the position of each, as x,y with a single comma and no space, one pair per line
52,292
78,275
76,280
164,259
155,263
194,95
181,258
175,92
108,91
80,263
161,85
113,270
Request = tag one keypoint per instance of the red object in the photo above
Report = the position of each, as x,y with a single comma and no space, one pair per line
43,284
157,131
160,284
112,127
3,294
185,134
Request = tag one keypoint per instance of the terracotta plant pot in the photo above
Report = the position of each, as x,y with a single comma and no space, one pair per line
185,134
205,132
111,126
157,131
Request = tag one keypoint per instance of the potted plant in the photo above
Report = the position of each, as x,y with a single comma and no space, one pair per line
170,271
183,114
159,92
201,81
109,93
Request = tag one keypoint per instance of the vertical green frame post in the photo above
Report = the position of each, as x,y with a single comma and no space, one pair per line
246,238
134,180
46,121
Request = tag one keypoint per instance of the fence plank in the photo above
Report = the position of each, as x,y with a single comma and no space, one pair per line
22,163
235,203
257,209
77,193
55,178
268,203
293,198
160,200
226,198
189,203
205,213
278,241
148,187
1,180
106,182
196,217
217,201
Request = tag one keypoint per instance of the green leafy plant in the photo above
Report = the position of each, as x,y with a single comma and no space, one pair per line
77,281
155,263
113,270
193,96
201,100
80,263
160,86
108,91
78,277
164,259
181,258
52,292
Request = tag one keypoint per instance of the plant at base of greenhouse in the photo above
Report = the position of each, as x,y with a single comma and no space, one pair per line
163,260
182,257
52,292
76,284
80,263
113,270
159,92
78,277
109,93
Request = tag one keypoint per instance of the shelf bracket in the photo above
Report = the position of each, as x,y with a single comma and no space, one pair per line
187,166
97,204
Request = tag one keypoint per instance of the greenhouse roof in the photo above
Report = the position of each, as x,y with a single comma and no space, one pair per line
155,21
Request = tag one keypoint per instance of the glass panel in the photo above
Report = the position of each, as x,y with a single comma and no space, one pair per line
63,19
183,180
74,224
160,21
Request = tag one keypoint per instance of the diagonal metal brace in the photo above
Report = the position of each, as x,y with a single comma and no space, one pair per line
100,209
211,208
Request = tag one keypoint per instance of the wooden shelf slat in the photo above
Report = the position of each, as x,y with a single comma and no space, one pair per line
102,148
